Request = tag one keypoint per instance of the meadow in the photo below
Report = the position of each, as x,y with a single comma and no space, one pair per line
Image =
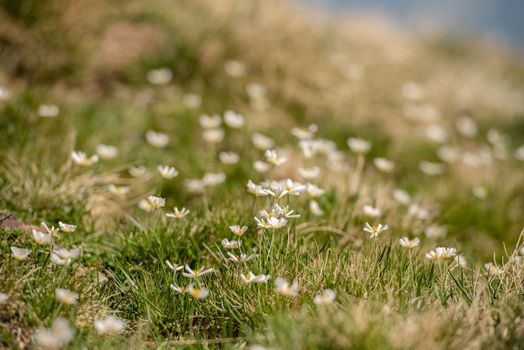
252,175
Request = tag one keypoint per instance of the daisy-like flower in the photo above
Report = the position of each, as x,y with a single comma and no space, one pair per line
137,171
106,151
441,253
460,260
228,158
305,134
241,258
145,205
238,230
167,172
51,230
81,158
261,167
213,179
198,273
276,223
326,297
315,209
178,214
309,173
252,278
20,253
493,270
371,212
262,223
68,228
110,326
159,76
157,139
213,135
66,296
409,243
41,238
384,164
210,122
262,142
62,256
118,190
273,157
286,212
156,202
430,168
48,111
375,230
194,185
57,337
176,288
257,190
197,293
235,68
233,119
314,191
358,146
432,255
175,267
227,244
283,288
401,196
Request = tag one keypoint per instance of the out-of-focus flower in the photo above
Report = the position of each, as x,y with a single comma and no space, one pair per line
233,119
110,326
480,192
283,288
384,164
413,91
441,253
493,270
213,135
137,171
401,196
235,68
156,202
257,190
418,212
106,151
252,278
261,166
57,337
466,126
315,209
375,230
241,258
178,214
460,260
175,267
448,154
192,101
66,296
41,238
5,94
20,253
436,133
228,158
4,298
68,228
326,297
407,243
274,158
210,121
519,153
198,273
262,142
358,146
213,179
48,111
167,172
194,185
305,134
430,168
371,212
145,205
157,139
80,158
314,191
238,230
63,256
227,244
435,232
197,293
159,76
309,173
118,190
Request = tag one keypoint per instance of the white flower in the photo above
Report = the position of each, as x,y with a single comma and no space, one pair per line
327,297
417,211
257,190
194,185
62,256
235,69
175,267
20,253
156,202
210,122
413,91
460,260
384,164
4,298
51,230
480,192
430,168
441,253
252,278
283,288
213,179
305,134
175,287
448,154
409,244
178,214
315,209
80,158
68,228
519,153
435,232
228,158
110,326
106,151
262,142
137,171
192,101
198,273
145,205
233,119
167,172
227,244
261,166
371,211
314,191
55,338
276,222
157,139
238,230
213,135
466,126
401,196
5,94
493,269
375,230
159,76
41,238
118,190
436,133
309,173
198,293
497,138
241,258
66,296
48,111
521,251
273,158
358,146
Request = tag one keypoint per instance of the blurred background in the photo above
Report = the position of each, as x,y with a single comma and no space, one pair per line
496,20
